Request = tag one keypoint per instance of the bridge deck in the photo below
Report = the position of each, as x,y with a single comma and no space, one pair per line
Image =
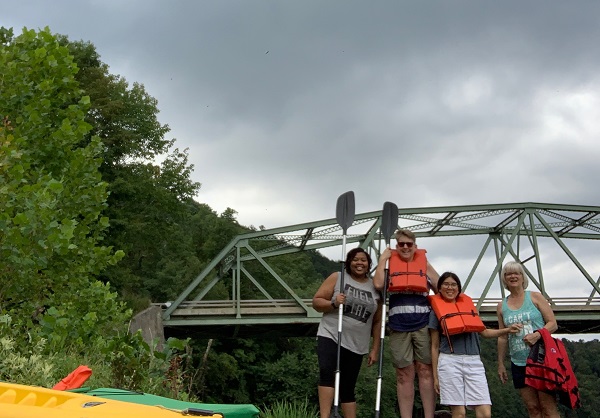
228,318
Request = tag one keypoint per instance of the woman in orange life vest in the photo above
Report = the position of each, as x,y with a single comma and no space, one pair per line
458,373
532,311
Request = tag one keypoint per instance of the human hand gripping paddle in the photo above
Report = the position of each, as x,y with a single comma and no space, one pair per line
344,212
389,221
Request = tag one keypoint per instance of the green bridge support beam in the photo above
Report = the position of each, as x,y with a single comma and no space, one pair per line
531,233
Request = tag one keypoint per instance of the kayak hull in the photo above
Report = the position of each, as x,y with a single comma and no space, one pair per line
228,410
21,401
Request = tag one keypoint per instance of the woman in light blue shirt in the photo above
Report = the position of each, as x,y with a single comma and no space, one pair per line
533,311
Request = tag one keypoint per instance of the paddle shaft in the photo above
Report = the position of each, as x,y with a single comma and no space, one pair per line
339,346
345,217
383,316
389,219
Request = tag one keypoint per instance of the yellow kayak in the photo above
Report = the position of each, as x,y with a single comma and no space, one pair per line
20,401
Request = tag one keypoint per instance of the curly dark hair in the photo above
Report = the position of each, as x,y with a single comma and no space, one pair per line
351,254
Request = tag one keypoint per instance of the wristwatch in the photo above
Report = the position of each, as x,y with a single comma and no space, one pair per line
333,305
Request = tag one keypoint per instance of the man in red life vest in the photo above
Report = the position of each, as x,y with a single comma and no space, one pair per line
410,342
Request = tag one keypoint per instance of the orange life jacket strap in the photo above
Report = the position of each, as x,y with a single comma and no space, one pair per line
408,273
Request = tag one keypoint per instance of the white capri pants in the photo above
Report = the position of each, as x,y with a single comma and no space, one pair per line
462,380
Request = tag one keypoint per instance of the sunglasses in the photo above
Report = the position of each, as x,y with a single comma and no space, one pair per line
405,244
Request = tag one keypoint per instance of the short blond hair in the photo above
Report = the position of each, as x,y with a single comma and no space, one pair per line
514,267
406,233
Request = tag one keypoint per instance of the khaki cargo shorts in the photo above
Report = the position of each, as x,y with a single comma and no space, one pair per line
408,347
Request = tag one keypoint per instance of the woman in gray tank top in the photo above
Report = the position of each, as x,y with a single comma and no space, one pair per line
361,320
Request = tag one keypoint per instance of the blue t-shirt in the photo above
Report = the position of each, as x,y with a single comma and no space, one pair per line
465,343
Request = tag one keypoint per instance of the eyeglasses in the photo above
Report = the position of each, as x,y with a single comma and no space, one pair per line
405,244
450,285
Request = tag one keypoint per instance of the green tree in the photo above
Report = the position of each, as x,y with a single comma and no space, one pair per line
51,192
150,202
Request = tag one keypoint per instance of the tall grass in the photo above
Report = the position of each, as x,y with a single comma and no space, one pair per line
290,409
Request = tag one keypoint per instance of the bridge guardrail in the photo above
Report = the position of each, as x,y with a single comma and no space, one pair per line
247,307
291,307
226,317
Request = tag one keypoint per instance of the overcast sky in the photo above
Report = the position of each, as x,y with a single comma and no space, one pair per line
284,105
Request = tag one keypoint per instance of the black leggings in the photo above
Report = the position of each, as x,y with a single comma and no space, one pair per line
349,367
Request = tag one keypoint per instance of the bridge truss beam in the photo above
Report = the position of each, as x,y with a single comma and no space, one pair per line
535,234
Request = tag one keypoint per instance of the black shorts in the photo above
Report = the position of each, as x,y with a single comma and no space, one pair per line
349,367
518,375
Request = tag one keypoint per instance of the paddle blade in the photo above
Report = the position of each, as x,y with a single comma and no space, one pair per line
389,220
344,210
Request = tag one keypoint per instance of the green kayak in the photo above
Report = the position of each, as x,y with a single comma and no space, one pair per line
228,410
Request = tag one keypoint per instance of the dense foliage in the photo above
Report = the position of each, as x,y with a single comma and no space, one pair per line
52,198
99,218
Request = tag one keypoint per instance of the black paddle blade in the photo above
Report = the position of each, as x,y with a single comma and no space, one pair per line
389,220
344,210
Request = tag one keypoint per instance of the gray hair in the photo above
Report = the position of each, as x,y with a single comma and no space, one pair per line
514,267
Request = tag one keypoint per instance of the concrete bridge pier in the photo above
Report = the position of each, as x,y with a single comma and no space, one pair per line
149,321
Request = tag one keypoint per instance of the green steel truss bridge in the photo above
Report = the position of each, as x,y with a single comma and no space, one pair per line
559,245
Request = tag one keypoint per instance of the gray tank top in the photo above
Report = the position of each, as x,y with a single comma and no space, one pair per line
361,304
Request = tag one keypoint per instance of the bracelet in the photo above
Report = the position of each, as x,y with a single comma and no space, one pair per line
333,305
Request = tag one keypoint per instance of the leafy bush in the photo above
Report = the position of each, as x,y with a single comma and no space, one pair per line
123,361
135,365
91,321
31,366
